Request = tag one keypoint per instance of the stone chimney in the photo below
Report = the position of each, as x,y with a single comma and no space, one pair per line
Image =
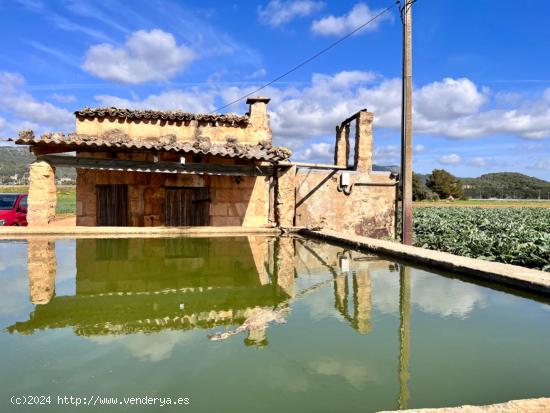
363,142
259,118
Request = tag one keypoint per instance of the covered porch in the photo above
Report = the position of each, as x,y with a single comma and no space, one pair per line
121,182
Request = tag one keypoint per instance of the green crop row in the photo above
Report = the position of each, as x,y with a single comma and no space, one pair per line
519,236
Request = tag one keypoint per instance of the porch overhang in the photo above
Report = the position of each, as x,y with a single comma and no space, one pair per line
156,167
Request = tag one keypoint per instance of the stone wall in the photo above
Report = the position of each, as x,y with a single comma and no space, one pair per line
243,201
369,210
257,130
285,196
364,207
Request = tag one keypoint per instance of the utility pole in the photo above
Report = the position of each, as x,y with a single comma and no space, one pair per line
406,126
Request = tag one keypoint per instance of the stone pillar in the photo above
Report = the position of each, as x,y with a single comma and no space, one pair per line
259,118
41,267
341,147
362,297
284,264
363,142
42,194
285,198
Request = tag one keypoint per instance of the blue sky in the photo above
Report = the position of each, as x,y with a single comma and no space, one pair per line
480,71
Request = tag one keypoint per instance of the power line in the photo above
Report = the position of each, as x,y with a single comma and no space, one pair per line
316,55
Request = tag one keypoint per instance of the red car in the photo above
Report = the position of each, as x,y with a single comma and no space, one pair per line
13,209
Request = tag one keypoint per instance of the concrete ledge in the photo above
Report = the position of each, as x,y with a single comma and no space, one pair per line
511,275
525,406
129,232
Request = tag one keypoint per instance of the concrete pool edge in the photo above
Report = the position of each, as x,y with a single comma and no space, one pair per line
8,233
510,275
540,405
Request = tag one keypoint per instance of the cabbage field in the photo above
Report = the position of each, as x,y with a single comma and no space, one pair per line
519,236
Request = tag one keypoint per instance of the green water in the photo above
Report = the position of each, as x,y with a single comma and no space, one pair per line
311,327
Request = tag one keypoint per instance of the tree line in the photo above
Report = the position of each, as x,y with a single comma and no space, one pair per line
441,184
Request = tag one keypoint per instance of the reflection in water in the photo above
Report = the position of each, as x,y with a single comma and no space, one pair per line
136,286
135,316
404,335
144,285
41,269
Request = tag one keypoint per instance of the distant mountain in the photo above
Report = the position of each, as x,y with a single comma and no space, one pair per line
14,166
506,185
386,168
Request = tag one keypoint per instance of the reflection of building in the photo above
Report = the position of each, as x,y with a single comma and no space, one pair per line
145,285
353,302
41,270
244,284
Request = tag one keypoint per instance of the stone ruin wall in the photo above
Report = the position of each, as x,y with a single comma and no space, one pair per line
368,210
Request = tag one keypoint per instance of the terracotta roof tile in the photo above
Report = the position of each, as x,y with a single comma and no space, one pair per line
117,139
229,119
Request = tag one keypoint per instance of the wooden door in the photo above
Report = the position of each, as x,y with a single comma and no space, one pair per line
112,205
186,207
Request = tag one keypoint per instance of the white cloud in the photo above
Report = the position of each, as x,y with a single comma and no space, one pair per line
24,111
451,159
419,148
451,108
384,154
191,100
257,74
358,15
62,98
319,152
477,161
278,12
146,56
448,99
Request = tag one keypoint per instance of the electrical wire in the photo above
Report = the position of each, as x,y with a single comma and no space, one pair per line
316,55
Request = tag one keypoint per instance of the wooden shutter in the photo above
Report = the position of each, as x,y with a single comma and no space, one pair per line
185,207
112,205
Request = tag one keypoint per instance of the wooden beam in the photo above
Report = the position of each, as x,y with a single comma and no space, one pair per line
159,167
39,150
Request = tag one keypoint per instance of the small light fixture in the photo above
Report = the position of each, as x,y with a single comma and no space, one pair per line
345,185
344,264
344,179
182,160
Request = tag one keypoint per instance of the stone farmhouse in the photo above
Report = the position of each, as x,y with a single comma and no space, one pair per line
151,168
